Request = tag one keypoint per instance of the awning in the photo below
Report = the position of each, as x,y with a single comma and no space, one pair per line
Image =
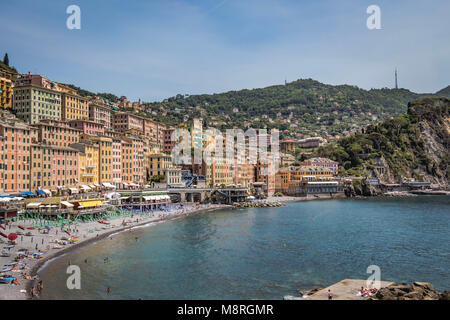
73,190
108,185
47,192
125,184
28,193
33,205
92,186
149,198
67,204
96,184
85,187
124,198
41,192
92,203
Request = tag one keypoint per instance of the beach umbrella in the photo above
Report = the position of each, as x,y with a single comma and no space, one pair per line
12,236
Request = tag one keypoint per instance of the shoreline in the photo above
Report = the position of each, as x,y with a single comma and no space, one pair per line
138,220
34,266
38,266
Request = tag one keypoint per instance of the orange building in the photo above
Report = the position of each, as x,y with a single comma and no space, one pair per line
17,138
58,133
127,160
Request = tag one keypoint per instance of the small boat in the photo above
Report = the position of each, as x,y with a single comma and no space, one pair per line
30,228
103,222
29,234
3,235
2,226
57,246
21,227
67,232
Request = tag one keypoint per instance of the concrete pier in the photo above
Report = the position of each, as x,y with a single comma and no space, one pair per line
345,290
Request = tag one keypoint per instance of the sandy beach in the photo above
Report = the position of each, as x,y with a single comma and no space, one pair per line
41,248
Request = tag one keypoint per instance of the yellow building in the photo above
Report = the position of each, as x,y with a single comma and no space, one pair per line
104,156
157,164
292,179
88,163
6,91
219,173
73,106
310,173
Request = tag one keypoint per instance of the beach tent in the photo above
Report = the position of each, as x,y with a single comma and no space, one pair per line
67,204
33,205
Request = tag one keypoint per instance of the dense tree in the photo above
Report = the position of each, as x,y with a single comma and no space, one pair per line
6,59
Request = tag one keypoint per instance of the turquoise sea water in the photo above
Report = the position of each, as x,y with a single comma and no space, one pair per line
265,253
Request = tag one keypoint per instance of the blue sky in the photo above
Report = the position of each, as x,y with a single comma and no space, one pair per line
156,49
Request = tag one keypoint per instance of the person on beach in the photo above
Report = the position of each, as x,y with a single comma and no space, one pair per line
39,287
108,290
330,295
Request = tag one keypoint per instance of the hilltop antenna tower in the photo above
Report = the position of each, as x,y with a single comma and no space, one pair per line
396,83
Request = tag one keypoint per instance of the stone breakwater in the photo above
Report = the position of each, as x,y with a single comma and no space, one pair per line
257,204
416,291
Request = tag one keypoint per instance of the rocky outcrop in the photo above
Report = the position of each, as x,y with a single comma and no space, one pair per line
361,187
416,291
257,204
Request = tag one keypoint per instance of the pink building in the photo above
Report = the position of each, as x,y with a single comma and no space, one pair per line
101,113
322,162
88,127
54,167
124,121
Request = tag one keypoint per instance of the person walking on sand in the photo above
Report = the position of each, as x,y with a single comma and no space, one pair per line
108,290
330,295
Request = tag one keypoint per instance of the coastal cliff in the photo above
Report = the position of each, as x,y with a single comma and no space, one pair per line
414,145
